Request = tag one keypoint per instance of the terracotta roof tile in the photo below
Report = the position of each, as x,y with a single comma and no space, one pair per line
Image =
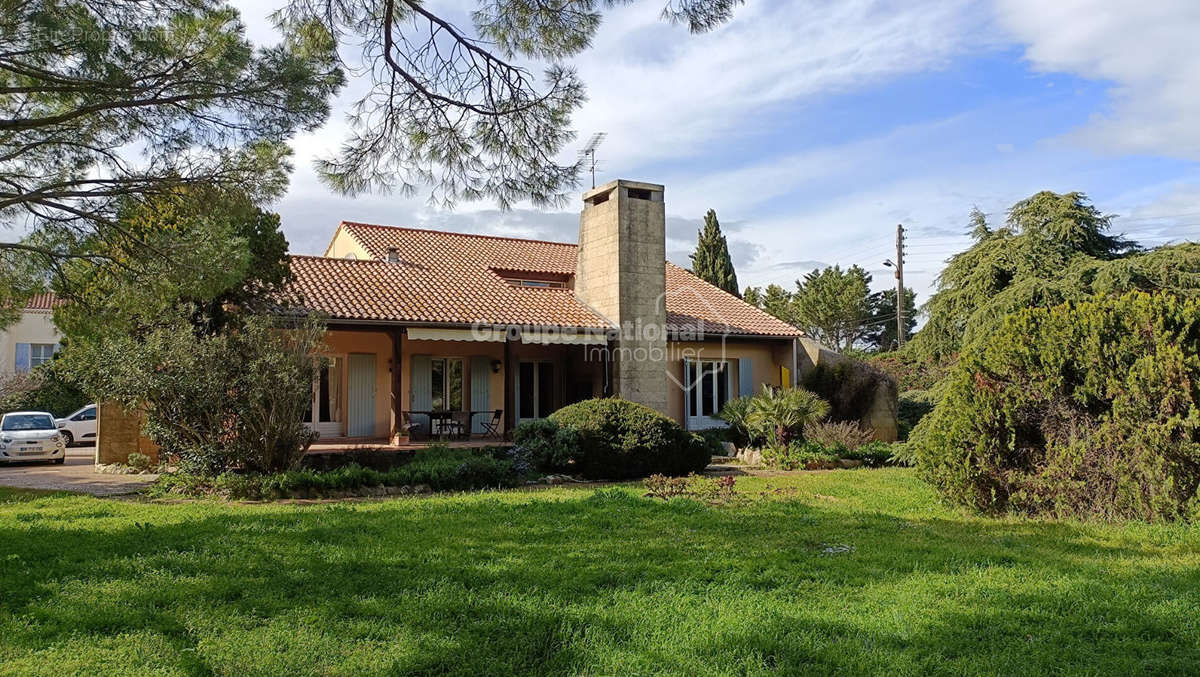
44,301
450,278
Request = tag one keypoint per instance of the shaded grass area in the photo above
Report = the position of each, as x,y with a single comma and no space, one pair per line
843,572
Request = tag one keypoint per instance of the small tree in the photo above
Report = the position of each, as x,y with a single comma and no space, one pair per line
833,305
711,261
217,401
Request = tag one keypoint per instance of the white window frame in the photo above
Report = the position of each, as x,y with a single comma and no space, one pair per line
47,350
445,394
699,421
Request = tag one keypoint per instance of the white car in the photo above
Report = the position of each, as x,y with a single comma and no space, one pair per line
31,436
79,426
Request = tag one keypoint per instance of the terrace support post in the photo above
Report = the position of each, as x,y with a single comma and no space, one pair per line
397,335
510,397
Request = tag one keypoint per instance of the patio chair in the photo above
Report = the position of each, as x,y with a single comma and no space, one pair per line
416,431
492,428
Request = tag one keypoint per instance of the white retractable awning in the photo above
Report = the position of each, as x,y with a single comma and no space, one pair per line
478,334
579,337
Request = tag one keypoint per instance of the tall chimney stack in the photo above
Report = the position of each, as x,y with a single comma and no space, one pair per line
620,272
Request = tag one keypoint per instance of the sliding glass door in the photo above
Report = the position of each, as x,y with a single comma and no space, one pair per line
535,390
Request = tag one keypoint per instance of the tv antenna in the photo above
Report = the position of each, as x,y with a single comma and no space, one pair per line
589,153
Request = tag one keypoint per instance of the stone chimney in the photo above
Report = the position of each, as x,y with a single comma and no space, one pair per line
620,272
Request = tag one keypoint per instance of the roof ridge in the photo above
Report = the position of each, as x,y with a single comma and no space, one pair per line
456,233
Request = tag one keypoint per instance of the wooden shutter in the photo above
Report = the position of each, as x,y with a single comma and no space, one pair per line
745,377
481,369
24,356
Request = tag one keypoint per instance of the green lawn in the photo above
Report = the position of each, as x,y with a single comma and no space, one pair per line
593,582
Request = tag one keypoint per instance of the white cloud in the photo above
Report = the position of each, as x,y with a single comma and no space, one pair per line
1147,50
663,94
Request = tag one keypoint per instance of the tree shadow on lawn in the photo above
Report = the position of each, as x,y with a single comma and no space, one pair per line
605,583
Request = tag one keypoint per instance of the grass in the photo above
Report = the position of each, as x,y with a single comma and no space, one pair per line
853,572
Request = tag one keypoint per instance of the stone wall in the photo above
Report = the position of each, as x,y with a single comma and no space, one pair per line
881,416
119,433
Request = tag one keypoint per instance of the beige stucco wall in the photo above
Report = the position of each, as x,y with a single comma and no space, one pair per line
35,326
766,356
343,244
465,350
344,343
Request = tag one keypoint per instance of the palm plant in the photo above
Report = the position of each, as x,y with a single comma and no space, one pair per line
779,415
734,413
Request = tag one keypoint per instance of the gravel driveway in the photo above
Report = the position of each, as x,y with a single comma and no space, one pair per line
78,474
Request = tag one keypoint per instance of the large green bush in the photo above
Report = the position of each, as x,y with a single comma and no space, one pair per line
849,386
1087,409
549,446
619,439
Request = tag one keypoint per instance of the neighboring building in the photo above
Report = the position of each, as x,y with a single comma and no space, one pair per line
422,321
32,339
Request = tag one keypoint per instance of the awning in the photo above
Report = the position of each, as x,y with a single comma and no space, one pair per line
569,335
477,334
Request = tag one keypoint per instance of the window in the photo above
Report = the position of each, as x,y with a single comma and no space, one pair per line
535,390
542,284
30,355
447,375
708,387
40,353
393,255
88,414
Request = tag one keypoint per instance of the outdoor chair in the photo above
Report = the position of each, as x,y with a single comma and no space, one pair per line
492,428
416,431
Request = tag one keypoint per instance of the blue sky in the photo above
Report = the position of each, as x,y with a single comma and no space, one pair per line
813,128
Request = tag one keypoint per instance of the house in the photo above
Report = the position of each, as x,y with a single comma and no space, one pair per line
423,321
430,330
32,339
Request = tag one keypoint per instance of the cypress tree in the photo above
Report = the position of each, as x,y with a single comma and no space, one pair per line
711,261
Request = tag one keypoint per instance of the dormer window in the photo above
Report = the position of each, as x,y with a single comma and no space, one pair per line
534,279
544,284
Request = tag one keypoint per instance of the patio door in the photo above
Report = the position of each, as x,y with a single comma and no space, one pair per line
706,388
535,390
326,411
360,405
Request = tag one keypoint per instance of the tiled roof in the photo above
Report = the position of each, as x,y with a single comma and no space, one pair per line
450,278
44,301
694,304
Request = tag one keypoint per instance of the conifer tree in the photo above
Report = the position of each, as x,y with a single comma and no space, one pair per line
711,261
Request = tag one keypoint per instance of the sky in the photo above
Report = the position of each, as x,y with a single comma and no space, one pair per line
814,128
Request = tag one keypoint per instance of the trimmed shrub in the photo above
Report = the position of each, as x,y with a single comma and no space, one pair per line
619,439
439,468
548,446
1084,409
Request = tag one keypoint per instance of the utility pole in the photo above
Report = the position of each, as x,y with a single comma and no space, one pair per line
899,285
